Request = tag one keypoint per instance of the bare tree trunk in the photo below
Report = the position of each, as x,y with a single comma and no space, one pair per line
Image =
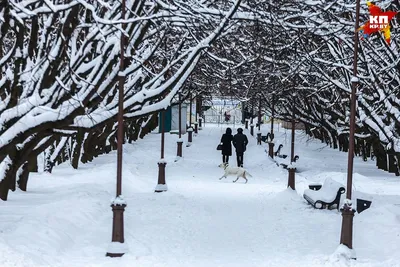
76,152
356,151
47,161
340,140
151,124
345,144
391,164
130,132
364,150
368,147
23,175
89,146
30,165
380,154
398,165
334,141
25,169
55,154
11,174
33,164
113,141
5,177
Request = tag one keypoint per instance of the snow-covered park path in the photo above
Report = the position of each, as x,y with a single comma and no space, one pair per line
65,219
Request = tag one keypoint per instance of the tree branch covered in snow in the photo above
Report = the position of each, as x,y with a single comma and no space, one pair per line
59,61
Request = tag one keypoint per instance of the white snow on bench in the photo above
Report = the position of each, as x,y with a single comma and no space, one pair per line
327,193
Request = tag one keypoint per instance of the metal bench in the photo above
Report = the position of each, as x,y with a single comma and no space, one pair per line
327,196
287,162
277,153
267,138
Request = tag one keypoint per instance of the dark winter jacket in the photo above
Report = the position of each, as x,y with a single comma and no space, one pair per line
226,140
240,142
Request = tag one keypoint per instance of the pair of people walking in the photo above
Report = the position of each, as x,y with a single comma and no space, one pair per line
239,141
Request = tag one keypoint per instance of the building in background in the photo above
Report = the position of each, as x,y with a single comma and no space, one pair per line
171,122
221,109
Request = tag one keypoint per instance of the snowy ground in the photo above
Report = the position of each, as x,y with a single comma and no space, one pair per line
65,218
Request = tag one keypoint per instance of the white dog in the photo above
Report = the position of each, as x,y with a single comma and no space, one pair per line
238,171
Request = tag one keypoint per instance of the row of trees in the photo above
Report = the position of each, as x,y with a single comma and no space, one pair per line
301,53
59,68
325,73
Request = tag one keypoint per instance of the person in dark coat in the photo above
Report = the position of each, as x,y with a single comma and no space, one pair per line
226,141
240,142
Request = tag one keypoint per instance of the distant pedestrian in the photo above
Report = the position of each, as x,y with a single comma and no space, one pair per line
226,141
240,142
227,116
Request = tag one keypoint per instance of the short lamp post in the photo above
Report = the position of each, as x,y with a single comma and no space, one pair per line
190,136
199,110
190,109
180,141
161,184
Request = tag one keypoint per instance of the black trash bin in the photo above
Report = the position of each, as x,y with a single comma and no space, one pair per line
363,204
315,187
